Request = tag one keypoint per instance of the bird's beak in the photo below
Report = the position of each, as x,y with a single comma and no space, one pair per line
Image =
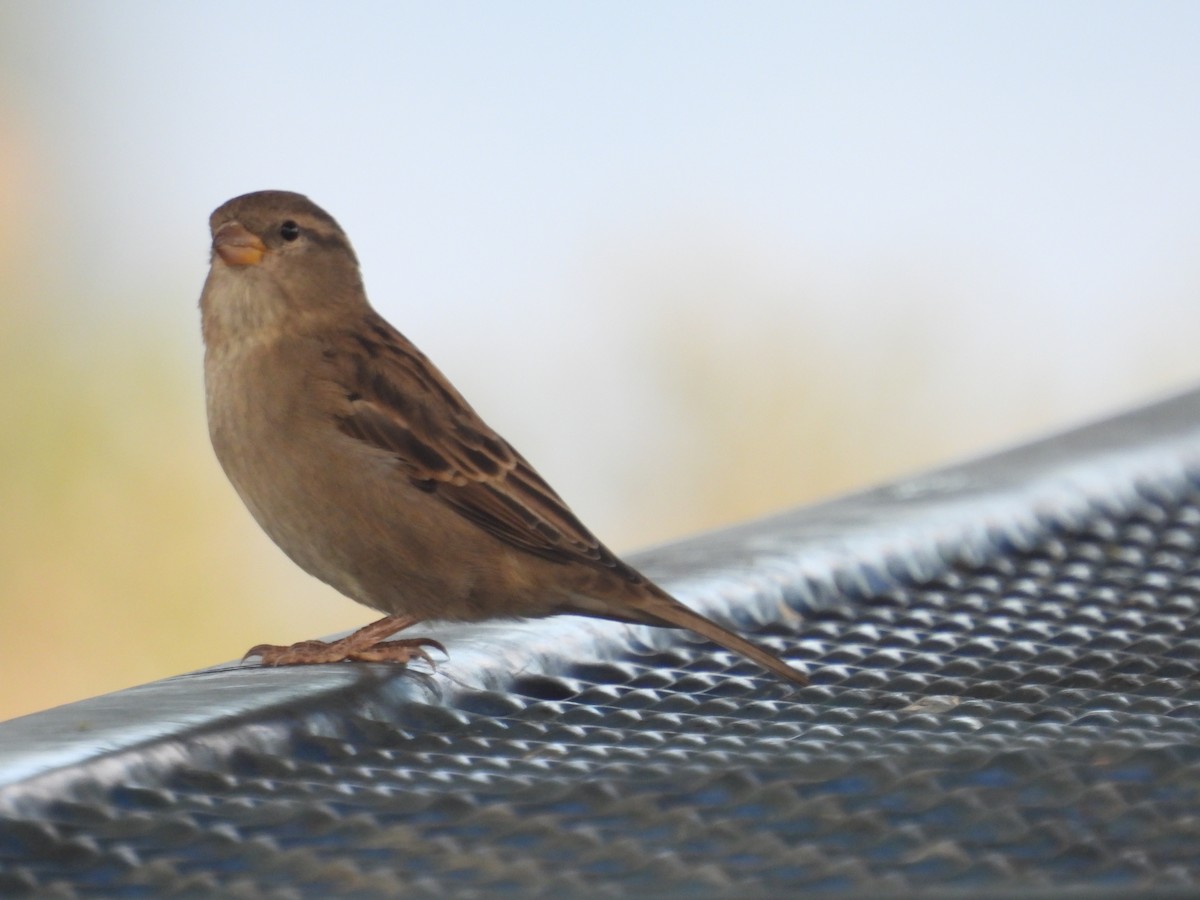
237,246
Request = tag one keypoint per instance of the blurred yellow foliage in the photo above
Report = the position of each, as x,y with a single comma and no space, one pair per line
124,556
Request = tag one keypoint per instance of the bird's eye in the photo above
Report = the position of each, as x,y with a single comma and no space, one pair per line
289,230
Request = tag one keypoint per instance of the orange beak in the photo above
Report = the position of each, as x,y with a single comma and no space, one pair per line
237,246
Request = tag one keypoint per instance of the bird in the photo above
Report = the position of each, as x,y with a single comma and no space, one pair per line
365,465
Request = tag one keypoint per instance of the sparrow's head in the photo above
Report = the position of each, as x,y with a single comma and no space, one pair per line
277,257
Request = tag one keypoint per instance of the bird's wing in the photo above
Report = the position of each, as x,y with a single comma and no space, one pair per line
400,403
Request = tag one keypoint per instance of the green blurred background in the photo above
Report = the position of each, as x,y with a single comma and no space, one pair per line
698,261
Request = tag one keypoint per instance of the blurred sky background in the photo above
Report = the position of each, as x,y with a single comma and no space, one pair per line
698,261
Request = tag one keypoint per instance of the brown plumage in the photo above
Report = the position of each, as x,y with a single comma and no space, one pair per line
366,466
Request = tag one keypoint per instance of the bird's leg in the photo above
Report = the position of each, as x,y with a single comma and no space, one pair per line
368,644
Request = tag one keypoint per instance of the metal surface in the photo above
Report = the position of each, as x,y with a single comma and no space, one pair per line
1006,697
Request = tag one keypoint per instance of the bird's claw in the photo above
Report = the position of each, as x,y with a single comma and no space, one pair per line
345,650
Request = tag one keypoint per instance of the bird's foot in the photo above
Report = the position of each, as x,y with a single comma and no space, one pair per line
312,652
368,644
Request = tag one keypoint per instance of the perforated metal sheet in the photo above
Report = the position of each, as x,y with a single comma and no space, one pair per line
1019,709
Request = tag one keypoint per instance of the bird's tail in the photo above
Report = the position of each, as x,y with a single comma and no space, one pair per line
662,608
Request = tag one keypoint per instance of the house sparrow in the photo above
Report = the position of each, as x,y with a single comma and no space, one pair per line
366,466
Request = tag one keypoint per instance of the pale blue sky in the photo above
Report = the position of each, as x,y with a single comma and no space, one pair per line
1057,138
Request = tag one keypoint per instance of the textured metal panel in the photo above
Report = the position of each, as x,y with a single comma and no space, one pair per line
1006,695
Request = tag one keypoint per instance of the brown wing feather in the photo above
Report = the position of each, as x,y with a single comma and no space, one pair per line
401,403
